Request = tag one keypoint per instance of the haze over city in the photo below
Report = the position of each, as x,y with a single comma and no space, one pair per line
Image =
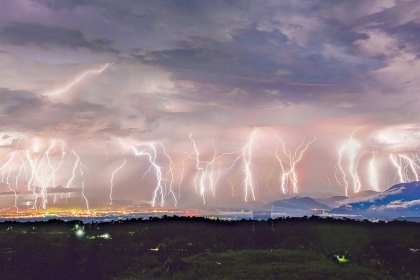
186,103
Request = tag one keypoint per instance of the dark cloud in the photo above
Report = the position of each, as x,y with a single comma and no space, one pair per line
256,61
26,111
407,35
340,34
60,5
17,102
18,33
298,48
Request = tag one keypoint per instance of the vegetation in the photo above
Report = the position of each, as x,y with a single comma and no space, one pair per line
199,248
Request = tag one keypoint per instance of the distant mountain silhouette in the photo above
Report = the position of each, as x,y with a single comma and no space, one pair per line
332,202
364,194
301,203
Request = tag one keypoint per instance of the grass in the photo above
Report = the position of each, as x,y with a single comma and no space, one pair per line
261,264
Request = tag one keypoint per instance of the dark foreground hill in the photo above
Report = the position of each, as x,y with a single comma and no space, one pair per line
198,248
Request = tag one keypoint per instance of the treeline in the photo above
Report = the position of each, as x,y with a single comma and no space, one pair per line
168,246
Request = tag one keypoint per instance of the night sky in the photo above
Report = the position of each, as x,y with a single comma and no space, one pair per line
219,99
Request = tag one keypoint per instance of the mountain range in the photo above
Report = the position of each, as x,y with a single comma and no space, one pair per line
300,203
400,200
397,201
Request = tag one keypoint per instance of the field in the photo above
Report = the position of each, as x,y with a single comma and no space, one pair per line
198,248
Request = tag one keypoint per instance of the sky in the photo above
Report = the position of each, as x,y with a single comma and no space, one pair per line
180,103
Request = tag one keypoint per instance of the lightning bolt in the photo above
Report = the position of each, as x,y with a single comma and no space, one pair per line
373,175
150,152
70,181
351,147
398,166
79,78
84,197
406,164
112,181
205,169
182,177
246,156
414,167
289,173
171,173
8,166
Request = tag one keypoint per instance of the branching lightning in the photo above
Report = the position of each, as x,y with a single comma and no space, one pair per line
289,178
350,147
38,168
400,148
205,170
246,156
161,190
42,170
